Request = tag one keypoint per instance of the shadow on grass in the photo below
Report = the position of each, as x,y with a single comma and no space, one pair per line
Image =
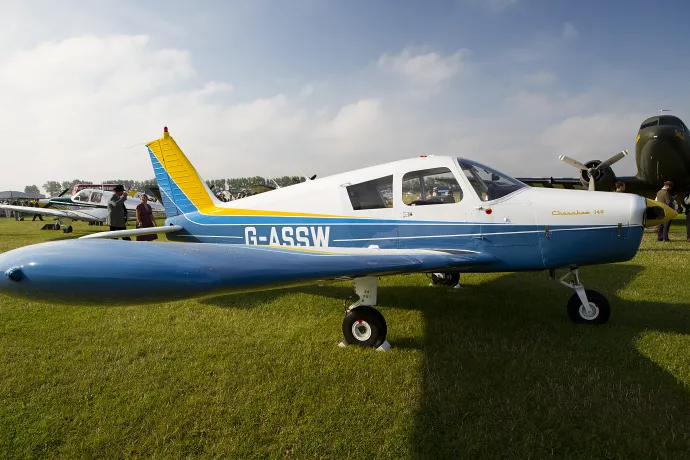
665,250
505,374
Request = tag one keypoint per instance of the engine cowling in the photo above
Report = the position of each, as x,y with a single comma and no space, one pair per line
604,178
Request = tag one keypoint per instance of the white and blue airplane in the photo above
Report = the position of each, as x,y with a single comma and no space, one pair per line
359,225
88,205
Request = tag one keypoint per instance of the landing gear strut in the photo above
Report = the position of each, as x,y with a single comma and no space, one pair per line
585,306
364,325
446,279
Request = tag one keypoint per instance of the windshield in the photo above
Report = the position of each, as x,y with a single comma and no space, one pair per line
488,183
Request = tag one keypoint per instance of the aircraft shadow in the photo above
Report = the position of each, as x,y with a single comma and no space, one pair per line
505,372
665,250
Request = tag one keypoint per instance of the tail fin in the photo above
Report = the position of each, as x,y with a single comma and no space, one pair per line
182,190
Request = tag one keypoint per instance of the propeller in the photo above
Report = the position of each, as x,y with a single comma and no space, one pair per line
593,172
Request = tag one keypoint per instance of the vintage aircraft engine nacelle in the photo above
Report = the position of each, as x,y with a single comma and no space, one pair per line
604,178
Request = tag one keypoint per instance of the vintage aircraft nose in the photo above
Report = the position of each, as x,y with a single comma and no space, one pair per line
657,213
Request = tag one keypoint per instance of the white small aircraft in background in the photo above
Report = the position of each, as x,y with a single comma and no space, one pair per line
89,205
382,220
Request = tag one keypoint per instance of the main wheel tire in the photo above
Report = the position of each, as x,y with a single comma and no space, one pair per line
57,227
601,308
447,279
365,326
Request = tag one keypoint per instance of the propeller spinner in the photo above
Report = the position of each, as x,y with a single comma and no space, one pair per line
593,171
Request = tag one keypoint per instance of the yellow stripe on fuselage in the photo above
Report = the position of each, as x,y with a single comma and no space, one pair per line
183,173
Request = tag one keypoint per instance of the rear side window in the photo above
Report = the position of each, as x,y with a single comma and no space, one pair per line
372,194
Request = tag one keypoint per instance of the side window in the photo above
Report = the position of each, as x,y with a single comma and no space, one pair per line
430,186
96,197
82,196
373,194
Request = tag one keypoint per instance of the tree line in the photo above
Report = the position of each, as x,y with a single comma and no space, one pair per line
233,185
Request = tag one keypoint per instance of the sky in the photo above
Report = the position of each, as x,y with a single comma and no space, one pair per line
275,88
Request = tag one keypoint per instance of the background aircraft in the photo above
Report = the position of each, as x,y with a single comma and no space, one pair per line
662,153
88,205
359,225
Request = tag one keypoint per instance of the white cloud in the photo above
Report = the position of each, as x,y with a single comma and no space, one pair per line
569,30
354,120
70,107
590,137
427,69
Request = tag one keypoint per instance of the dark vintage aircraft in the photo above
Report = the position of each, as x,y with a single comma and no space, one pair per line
662,153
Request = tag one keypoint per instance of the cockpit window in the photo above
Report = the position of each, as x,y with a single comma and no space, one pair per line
82,196
96,197
649,123
489,183
672,121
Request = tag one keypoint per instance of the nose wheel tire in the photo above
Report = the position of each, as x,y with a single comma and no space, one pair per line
445,279
67,229
598,312
365,326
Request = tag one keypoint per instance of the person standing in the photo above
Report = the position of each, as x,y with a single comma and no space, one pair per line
145,219
664,196
117,212
36,205
620,186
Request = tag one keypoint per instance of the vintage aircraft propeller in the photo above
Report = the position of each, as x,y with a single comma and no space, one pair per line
595,170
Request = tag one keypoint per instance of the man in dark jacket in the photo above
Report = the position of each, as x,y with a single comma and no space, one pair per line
37,205
664,196
117,212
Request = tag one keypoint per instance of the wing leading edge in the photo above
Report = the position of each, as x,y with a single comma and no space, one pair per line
142,272
93,215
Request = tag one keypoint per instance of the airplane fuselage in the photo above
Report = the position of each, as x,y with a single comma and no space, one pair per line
527,229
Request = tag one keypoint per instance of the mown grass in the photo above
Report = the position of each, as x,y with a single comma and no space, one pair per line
494,370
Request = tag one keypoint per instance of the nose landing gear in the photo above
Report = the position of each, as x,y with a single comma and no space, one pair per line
585,306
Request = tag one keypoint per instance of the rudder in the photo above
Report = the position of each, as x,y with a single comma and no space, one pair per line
182,189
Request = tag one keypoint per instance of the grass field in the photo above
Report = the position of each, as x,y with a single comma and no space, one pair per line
494,370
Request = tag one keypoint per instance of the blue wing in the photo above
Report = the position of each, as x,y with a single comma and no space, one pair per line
122,272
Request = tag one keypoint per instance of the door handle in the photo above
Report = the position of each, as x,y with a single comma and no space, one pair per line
407,214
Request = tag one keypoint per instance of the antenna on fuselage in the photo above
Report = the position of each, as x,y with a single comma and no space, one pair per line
307,178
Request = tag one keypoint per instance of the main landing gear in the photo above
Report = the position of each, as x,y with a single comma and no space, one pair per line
364,325
585,306
66,225
446,279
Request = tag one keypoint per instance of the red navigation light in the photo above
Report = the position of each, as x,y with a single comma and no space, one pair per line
165,129
489,211
422,156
